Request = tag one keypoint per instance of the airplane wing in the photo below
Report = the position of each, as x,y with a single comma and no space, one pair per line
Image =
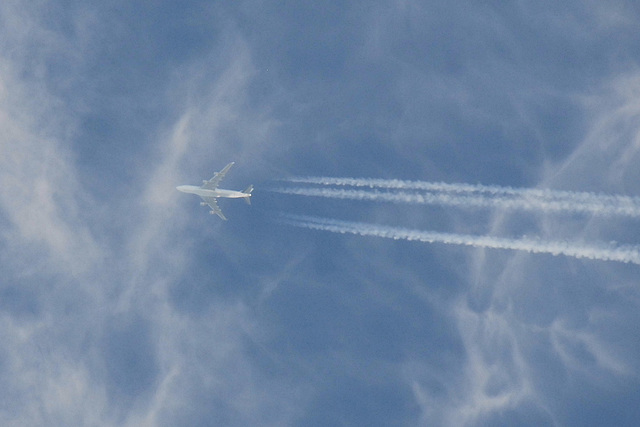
213,204
213,183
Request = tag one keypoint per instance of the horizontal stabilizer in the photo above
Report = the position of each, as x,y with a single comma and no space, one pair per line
248,191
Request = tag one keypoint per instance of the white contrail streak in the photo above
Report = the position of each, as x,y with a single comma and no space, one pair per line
602,204
464,188
601,251
592,205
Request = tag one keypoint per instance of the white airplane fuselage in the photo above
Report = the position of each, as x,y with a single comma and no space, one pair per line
218,192
210,193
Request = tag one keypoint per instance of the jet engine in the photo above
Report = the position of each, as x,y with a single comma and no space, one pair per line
203,204
212,212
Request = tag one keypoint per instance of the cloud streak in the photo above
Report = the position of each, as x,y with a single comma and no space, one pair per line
468,196
598,251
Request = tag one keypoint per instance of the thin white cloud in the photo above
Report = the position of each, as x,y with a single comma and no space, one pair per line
493,382
42,198
545,315
582,350
58,370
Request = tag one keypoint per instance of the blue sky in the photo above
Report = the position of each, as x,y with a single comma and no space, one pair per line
123,303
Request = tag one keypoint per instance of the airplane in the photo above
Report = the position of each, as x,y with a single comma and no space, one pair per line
209,192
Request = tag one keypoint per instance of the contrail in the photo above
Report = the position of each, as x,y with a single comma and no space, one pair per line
601,251
466,188
555,202
602,204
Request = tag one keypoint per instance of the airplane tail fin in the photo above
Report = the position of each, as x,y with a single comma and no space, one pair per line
248,191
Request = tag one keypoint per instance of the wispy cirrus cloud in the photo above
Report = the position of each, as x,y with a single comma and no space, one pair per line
120,304
93,336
